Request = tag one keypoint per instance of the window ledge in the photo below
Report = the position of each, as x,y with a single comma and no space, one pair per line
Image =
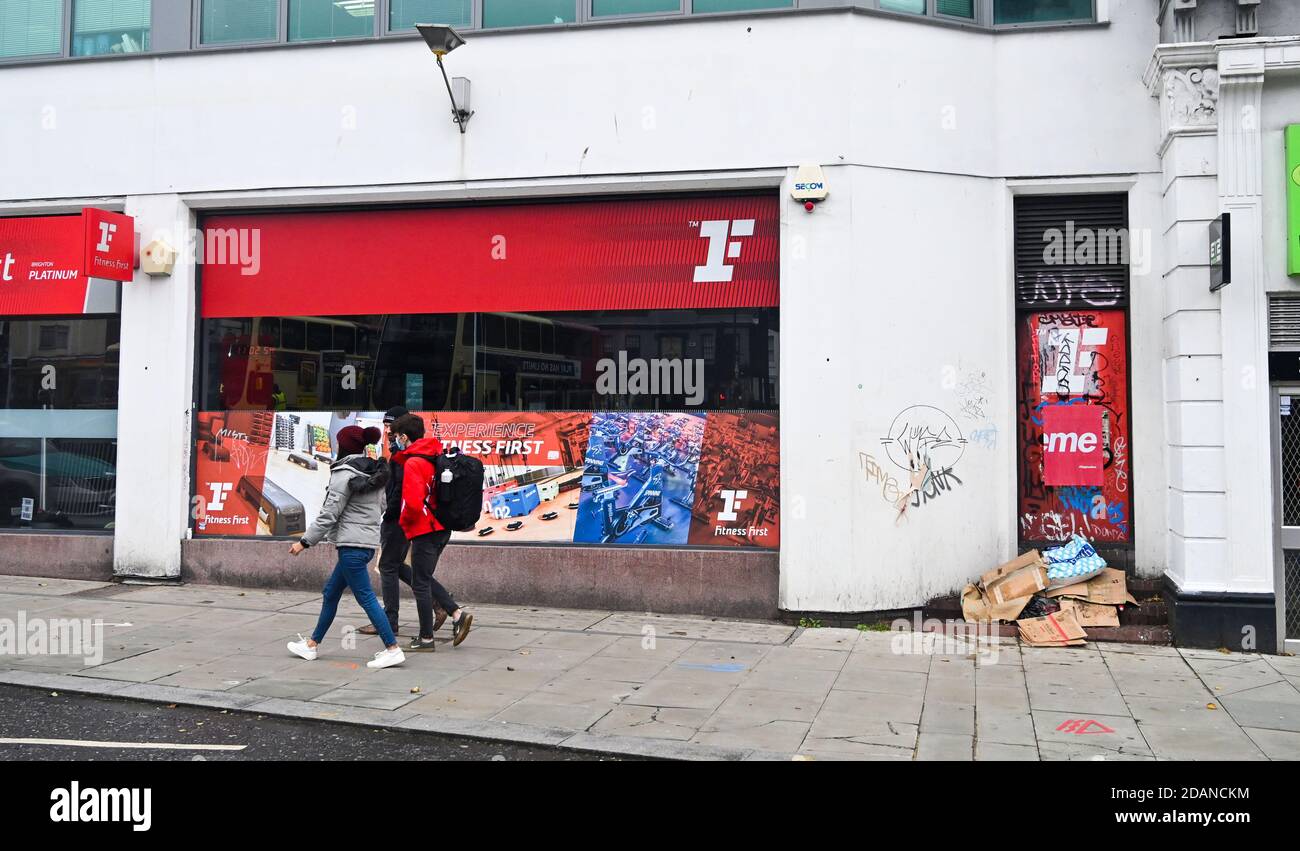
638,21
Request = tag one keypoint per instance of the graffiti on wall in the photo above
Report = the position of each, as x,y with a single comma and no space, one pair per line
1073,357
921,448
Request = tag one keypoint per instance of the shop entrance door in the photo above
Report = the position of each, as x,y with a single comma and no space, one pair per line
1286,458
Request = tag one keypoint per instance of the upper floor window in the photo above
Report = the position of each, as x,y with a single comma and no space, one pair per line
30,27
227,21
525,13
738,5
319,19
605,8
110,26
405,14
1040,11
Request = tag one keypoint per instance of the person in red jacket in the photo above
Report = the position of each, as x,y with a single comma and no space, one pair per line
427,536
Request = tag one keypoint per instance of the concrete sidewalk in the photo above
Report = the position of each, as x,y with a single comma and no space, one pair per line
672,687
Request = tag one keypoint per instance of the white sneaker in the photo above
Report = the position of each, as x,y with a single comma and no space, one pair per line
387,658
300,648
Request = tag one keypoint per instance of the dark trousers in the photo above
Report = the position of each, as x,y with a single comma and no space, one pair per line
425,550
392,567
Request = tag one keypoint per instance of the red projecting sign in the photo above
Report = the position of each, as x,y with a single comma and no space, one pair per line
109,245
44,262
589,255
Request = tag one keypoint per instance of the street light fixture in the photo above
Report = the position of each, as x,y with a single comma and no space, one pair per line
442,40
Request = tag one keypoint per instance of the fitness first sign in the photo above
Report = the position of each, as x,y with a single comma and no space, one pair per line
64,265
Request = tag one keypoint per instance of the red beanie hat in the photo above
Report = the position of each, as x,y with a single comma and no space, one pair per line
353,440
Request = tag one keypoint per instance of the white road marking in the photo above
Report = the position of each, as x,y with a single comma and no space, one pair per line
162,746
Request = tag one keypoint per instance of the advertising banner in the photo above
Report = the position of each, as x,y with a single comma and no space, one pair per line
588,255
41,269
605,478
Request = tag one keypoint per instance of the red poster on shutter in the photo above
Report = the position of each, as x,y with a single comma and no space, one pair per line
1072,439
589,255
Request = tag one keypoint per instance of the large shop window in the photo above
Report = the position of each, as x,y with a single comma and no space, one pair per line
1072,290
612,363
59,337
58,422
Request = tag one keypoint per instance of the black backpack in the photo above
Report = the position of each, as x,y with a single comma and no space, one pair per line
459,502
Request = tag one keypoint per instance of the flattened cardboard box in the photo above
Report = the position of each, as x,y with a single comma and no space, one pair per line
976,607
1092,614
1060,629
1021,577
1108,588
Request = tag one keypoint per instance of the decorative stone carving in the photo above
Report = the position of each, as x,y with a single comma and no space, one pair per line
1191,97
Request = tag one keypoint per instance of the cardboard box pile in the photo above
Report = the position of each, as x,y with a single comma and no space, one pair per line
1003,593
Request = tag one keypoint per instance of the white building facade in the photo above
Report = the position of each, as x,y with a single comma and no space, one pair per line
895,332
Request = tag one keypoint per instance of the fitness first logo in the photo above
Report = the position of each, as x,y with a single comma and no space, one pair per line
724,237
733,502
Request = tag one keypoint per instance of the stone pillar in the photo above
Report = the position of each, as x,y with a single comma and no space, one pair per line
155,395
1220,570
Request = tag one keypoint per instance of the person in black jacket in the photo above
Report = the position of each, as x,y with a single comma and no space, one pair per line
394,545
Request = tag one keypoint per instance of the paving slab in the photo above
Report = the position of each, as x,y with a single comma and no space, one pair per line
873,706
640,647
826,639
1276,744
810,682
555,711
1005,727
622,669
652,721
988,751
770,735
946,747
1222,744
1271,707
1189,715
955,718
681,695
1075,701
857,678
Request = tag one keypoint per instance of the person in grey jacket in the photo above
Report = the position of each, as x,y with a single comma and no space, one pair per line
349,519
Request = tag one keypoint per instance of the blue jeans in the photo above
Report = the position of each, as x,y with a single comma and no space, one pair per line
350,572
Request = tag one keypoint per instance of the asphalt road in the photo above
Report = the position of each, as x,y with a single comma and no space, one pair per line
36,714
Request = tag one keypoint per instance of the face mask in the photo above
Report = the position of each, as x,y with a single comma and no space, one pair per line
402,441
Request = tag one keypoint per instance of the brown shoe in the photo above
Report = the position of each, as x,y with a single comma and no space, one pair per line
439,617
369,629
462,628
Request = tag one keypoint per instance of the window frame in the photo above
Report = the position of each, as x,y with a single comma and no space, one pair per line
69,10
1034,25
286,6
196,30
588,8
